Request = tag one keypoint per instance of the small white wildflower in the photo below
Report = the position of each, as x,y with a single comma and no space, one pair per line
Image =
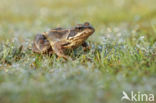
33,59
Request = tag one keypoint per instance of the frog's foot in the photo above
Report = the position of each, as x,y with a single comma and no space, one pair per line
85,46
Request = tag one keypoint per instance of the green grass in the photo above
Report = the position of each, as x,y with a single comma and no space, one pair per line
122,57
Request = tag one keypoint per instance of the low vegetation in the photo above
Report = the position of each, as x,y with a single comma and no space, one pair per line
122,55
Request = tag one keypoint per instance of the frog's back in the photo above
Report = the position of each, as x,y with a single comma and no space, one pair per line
57,34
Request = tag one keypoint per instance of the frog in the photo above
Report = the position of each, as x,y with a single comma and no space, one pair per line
59,39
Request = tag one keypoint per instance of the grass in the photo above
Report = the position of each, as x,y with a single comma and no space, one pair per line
122,57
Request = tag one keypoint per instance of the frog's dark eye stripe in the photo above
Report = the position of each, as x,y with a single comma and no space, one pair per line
78,27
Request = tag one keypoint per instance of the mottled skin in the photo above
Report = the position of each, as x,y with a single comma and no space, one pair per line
59,39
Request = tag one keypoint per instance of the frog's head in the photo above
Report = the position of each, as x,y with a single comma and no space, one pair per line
81,31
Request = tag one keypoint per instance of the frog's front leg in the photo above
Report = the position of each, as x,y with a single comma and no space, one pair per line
58,49
85,46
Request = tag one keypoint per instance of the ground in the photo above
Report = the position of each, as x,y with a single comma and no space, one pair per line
122,55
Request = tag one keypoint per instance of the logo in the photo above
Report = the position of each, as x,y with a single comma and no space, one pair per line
137,97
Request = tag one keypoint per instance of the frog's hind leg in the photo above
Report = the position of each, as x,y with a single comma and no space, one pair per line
35,49
41,44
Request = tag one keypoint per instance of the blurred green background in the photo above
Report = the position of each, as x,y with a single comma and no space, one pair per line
26,17
122,58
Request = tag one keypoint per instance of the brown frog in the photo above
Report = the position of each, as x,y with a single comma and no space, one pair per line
59,39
